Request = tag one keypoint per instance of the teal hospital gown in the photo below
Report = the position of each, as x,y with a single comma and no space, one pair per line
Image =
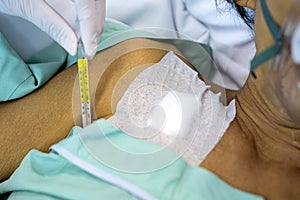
101,162
19,78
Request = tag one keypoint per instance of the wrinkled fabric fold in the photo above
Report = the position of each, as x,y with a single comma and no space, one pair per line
57,176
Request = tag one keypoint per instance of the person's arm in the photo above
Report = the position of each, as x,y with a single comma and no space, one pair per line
44,117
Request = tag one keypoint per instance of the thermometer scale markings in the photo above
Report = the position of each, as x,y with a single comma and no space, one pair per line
84,91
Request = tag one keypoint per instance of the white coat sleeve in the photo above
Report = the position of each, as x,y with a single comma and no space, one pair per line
230,38
200,20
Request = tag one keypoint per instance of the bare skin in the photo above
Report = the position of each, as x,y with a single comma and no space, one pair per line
247,3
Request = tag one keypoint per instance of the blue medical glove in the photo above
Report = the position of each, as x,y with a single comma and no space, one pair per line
63,20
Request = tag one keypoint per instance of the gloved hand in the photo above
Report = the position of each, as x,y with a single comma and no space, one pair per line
89,14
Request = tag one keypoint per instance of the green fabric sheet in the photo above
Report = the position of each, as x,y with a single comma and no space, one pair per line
55,176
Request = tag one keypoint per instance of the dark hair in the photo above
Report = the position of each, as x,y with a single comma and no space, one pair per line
248,19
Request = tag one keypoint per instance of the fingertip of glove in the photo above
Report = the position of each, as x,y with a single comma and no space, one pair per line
91,49
90,55
71,48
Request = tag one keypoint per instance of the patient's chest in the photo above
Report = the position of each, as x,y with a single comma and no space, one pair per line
169,105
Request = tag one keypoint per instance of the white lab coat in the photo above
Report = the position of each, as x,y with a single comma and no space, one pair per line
201,20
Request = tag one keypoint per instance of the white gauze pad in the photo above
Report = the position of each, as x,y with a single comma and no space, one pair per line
169,105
